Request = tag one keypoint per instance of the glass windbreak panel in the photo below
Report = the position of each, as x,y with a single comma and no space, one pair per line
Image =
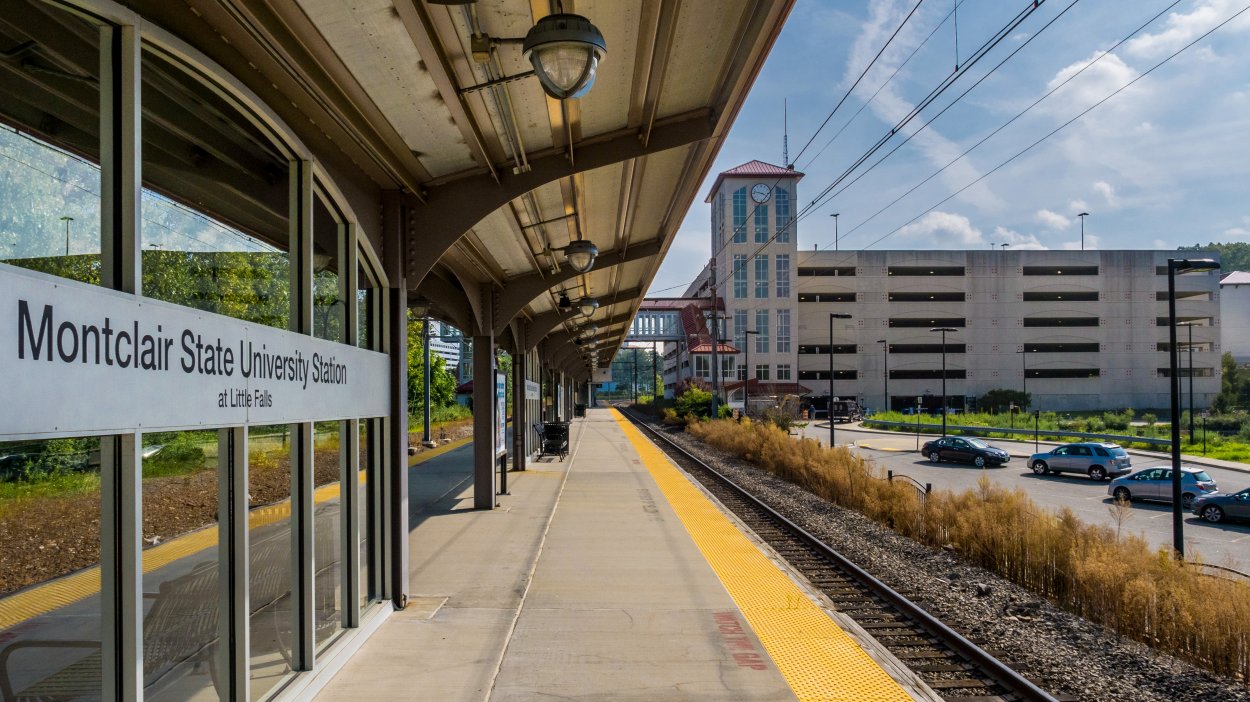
50,141
215,201
328,303
327,533
272,619
366,300
50,519
180,566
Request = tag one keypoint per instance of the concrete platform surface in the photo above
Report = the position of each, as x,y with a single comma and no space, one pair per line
584,584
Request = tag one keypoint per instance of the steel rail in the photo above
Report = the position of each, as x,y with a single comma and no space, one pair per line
994,669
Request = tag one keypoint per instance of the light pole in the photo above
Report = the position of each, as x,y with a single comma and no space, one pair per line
67,219
1083,215
943,330
885,373
1024,373
746,377
1181,265
832,316
425,339
1190,347
712,317
835,230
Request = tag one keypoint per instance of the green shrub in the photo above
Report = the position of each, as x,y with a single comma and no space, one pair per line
695,401
183,453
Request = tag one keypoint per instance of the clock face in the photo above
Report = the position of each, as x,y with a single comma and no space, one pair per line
759,193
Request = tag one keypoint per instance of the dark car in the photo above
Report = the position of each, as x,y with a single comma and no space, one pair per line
1095,459
965,450
1217,507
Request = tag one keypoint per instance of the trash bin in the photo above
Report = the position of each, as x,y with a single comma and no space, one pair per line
579,410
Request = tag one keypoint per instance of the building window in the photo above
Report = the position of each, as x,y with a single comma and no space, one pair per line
926,271
1184,372
742,372
740,276
781,196
740,216
761,325
1070,296
823,349
703,366
783,331
928,322
827,271
761,224
728,367
761,276
783,371
936,373
827,297
740,327
718,220
783,275
1065,270
1062,322
824,375
928,297
761,371
1064,373
927,348
1063,348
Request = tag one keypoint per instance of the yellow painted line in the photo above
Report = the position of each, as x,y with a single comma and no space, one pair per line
860,444
67,590
817,659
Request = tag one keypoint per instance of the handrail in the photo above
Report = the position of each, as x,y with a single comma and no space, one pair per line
1023,432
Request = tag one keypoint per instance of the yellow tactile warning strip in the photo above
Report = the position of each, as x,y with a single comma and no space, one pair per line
818,660
72,588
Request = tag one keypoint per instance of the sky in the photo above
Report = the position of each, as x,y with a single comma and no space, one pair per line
1162,163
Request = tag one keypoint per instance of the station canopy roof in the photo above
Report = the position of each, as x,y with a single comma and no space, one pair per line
493,177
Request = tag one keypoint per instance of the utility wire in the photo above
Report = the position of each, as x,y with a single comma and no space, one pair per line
1056,130
1001,127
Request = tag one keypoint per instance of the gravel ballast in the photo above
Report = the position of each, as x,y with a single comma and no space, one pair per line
1065,654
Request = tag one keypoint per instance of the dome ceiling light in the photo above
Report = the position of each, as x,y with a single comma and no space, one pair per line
588,305
581,254
565,50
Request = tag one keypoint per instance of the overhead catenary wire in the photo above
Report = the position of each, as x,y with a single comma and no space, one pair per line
1000,128
942,86
1063,126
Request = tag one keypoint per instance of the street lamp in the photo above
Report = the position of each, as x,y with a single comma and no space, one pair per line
565,50
67,219
1083,215
580,255
1024,372
832,316
1190,347
746,377
713,318
885,373
835,230
1178,265
944,330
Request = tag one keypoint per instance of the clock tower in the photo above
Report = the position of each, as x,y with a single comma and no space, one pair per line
755,244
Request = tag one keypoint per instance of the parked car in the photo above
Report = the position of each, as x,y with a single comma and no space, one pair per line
965,450
1097,460
1217,507
1156,484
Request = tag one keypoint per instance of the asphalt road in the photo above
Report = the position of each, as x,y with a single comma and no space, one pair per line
1222,544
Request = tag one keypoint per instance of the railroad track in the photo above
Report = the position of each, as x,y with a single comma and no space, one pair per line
954,667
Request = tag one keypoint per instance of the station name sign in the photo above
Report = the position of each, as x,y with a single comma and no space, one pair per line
83,359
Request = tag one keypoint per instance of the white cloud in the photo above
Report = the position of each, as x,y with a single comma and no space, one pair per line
1016,240
1237,233
1091,242
1078,206
1105,189
1053,220
1103,74
1161,244
1182,28
949,225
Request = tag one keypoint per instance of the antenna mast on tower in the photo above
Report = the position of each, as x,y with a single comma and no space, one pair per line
785,134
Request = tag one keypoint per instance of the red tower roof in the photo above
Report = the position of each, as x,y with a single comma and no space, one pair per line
755,168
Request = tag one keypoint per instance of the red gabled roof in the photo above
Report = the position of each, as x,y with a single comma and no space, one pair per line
755,168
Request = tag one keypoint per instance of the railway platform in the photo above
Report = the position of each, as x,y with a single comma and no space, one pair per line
603,576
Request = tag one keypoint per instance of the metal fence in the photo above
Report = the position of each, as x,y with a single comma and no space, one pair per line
1026,433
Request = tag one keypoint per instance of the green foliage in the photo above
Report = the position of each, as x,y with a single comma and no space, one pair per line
1234,256
695,401
183,454
43,460
442,382
999,399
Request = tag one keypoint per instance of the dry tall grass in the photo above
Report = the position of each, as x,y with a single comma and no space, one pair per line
1121,583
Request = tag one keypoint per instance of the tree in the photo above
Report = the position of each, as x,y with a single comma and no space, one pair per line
1003,398
442,382
1234,387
